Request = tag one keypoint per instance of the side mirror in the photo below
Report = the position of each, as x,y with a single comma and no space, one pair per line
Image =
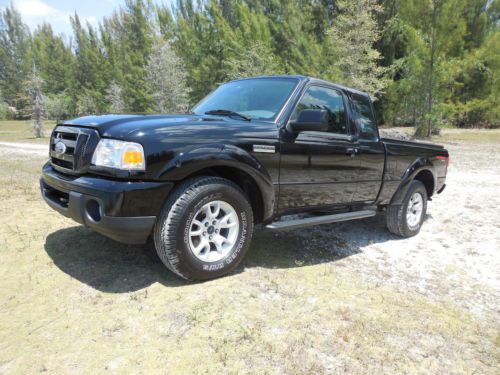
310,120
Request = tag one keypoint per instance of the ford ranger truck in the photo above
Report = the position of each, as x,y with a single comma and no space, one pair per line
254,151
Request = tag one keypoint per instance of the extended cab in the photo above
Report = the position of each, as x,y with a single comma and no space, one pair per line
252,152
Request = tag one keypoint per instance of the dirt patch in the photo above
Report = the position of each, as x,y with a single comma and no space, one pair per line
9,149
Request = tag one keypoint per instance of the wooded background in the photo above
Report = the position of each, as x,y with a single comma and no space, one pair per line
426,62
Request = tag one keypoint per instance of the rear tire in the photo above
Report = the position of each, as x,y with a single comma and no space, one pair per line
406,219
204,229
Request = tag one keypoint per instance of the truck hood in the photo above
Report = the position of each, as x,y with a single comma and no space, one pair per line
132,127
167,137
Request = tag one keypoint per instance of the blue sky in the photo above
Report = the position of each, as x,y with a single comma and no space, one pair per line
57,12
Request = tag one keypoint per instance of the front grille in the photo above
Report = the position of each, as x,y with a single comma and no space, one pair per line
71,148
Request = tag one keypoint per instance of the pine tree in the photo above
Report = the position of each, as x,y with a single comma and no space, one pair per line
294,38
353,35
115,98
90,69
436,44
53,59
255,60
167,79
14,54
135,35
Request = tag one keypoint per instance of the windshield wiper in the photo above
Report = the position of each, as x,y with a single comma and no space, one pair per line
227,112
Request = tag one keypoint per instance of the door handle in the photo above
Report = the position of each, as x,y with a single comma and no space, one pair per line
351,151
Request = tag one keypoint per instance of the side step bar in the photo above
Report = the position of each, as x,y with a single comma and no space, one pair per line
326,219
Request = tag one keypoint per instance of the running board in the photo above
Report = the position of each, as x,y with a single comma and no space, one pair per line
316,220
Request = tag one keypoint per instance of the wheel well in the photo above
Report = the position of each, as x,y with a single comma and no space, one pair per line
244,181
427,179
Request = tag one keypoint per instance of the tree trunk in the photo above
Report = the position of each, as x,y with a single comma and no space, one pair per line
435,7
37,105
37,112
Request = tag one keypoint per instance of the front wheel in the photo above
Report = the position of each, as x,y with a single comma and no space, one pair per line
406,219
204,228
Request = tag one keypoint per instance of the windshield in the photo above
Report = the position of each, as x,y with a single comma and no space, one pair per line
259,98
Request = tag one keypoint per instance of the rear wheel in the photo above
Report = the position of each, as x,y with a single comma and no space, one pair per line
406,219
204,228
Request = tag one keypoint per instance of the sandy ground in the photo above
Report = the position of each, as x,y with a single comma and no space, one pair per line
340,298
23,149
457,252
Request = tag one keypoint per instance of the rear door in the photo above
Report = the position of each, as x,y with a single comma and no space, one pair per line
318,168
371,152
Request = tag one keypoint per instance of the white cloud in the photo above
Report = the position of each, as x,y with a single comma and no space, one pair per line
92,21
35,12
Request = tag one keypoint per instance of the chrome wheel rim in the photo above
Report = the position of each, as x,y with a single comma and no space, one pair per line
414,210
213,232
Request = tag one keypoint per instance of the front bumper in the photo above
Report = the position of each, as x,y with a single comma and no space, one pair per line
122,210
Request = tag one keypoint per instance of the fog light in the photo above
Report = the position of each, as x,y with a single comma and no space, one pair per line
93,210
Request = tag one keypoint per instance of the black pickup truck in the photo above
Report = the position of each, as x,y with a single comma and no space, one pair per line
254,151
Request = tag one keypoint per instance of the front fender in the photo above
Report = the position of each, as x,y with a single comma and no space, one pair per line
190,162
413,169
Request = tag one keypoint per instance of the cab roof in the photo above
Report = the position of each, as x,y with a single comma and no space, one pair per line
309,79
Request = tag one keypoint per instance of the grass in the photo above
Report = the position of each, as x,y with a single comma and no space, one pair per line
22,131
470,135
72,301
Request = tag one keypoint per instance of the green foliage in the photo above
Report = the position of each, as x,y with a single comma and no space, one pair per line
429,62
89,69
15,42
87,104
4,108
439,73
53,59
353,36
4,111
256,60
59,106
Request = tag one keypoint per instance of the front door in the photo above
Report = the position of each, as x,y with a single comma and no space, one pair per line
318,169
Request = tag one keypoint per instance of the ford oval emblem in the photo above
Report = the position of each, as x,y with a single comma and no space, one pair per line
60,147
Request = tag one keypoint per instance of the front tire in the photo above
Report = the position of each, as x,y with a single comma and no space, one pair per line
406,219
204,229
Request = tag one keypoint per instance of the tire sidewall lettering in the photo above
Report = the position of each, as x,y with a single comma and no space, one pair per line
242,236
402,212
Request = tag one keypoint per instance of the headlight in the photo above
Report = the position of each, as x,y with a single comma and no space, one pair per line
120,155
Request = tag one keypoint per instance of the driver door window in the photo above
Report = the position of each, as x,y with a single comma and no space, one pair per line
317,97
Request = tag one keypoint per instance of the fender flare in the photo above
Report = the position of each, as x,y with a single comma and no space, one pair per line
188,163
414,169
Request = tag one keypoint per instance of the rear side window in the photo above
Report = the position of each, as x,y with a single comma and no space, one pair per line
317,97
364,117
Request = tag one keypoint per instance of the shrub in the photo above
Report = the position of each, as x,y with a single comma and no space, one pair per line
59,107
4,111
